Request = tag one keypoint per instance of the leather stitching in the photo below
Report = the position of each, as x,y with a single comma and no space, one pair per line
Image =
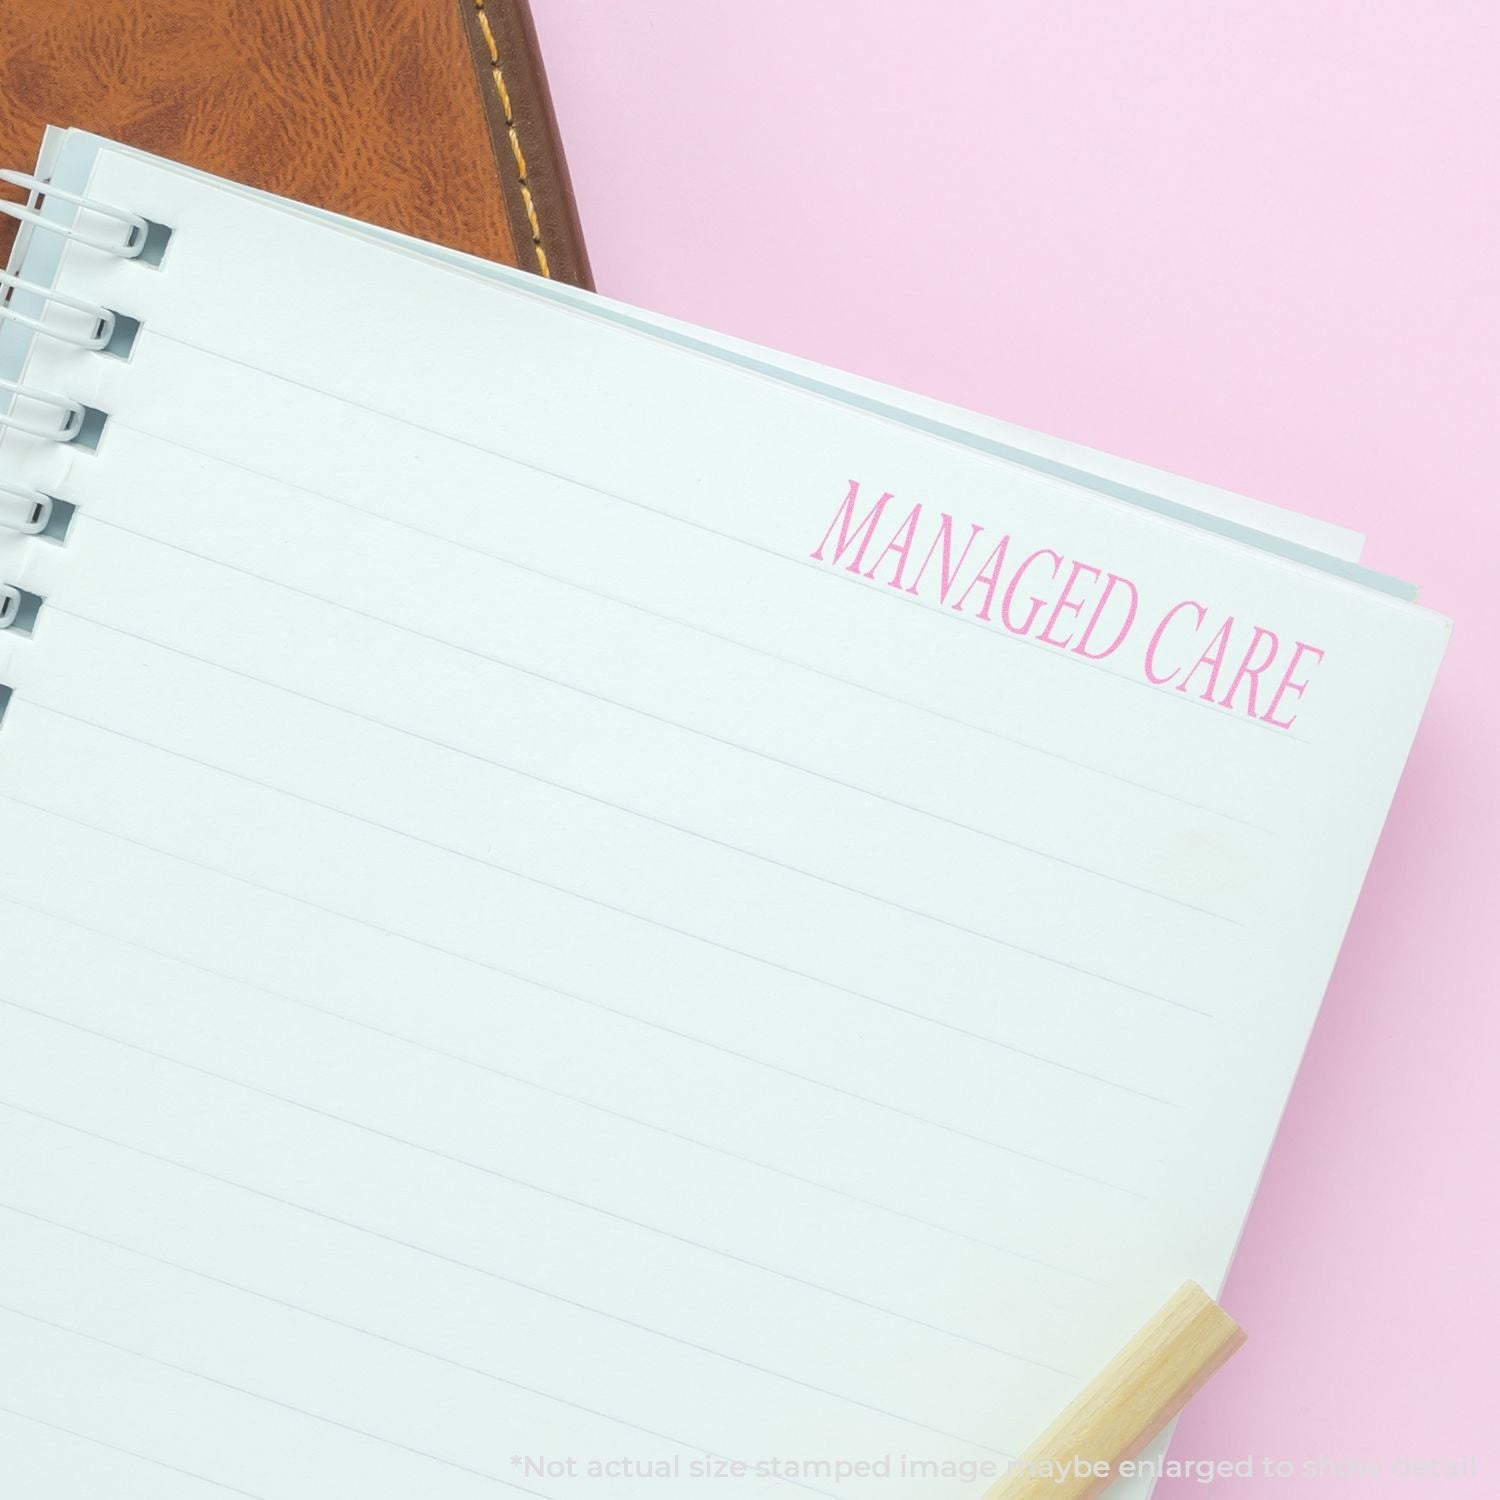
498,75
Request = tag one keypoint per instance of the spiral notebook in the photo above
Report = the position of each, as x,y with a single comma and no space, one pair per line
648,918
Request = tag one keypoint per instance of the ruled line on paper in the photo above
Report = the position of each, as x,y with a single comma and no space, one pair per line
596,697
599,901
775,965
471,549
771,1067
1290,736
370,1333
487,760
495,968
288,1406
551,1091
548,987
493,1275
145,1458
526,1185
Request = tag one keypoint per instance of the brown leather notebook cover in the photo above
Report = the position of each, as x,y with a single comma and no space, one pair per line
427,116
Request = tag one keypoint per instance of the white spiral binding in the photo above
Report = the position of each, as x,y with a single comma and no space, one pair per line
137,228
24,509
70,426
103,320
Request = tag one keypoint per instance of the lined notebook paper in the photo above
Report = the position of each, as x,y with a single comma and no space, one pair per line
676,925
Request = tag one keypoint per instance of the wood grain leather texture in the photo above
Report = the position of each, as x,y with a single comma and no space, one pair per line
427,116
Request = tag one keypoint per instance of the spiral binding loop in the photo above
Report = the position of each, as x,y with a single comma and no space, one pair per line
73,414
137,228
103,323
10,605
23,508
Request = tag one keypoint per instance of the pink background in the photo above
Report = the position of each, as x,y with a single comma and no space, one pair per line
1257,243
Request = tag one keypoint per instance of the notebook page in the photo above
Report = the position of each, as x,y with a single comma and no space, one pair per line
1209,500
507,957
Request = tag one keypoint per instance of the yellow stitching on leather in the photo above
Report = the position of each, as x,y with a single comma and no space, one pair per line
489,36
515,140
